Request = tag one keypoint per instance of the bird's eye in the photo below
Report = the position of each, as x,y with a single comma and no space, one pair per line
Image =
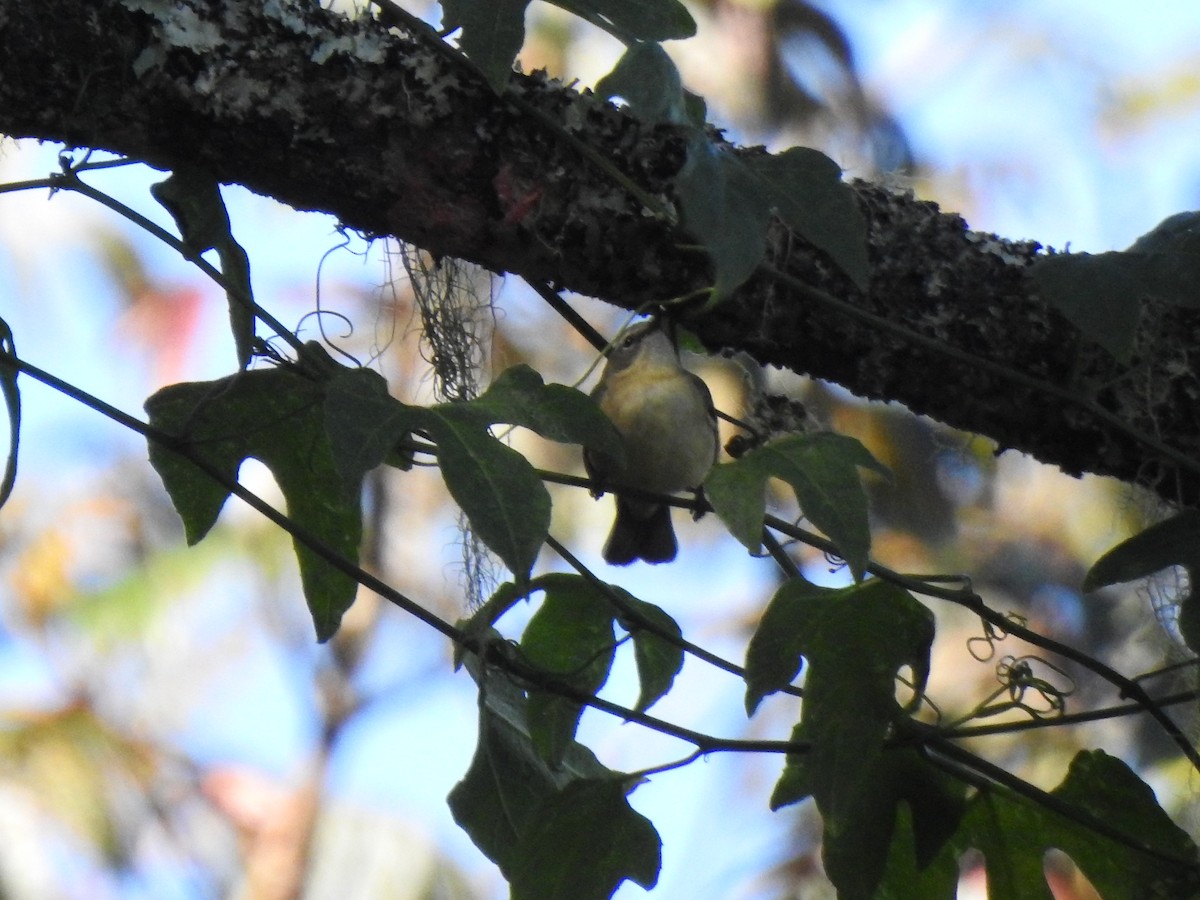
629,342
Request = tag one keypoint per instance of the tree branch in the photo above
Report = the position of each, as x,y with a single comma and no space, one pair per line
395,137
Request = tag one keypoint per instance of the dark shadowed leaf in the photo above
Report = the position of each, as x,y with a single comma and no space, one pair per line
546,827
855,640
193,198
570,638
1100,294
659,659
275,416
647,80
585,842
723,209
497,488
1172,542
805,188
822,470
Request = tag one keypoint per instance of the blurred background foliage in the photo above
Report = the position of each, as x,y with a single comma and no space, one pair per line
168,726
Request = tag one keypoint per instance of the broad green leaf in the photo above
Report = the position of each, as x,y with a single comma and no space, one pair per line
492,34
646,78
193,198
1172,542
805,188
274,416
855,640
570,638
905,878
519,396
584,843
12,404
497,488
822,470
540,823
658,659
723,209
1100,294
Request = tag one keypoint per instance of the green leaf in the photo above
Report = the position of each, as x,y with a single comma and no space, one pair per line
571,639
856,640
193,198
541,824
1171,259
274,416
805,188
1172,542
1155,858
519,396
659,659
822,470
723,209
492,34
493,31
1102,816
12,404
635,20
584,843
649,83
1100,294
497,488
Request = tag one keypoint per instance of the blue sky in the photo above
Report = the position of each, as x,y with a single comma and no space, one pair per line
1010,103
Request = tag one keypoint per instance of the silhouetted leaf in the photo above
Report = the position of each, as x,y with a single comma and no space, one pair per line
822,469
493,31
497,488
1172,542
723,209
1100,294
646,78
571,639
855,640
805,188
658,659
193,198
275,416
585,842
543,824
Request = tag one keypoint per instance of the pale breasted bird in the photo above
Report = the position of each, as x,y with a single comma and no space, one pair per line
666,420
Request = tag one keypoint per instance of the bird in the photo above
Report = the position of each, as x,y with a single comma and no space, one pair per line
668,425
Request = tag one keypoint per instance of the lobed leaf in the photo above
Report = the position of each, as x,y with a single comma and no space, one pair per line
496,487
274,416
545,826
855,640
822,470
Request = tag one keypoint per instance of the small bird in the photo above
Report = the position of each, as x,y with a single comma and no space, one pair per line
666,419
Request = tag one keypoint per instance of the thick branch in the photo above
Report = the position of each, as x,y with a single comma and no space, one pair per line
392,136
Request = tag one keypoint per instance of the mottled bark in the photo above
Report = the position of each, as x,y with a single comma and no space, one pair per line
394,137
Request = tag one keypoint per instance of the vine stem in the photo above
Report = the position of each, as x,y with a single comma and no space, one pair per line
968,599
485,650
